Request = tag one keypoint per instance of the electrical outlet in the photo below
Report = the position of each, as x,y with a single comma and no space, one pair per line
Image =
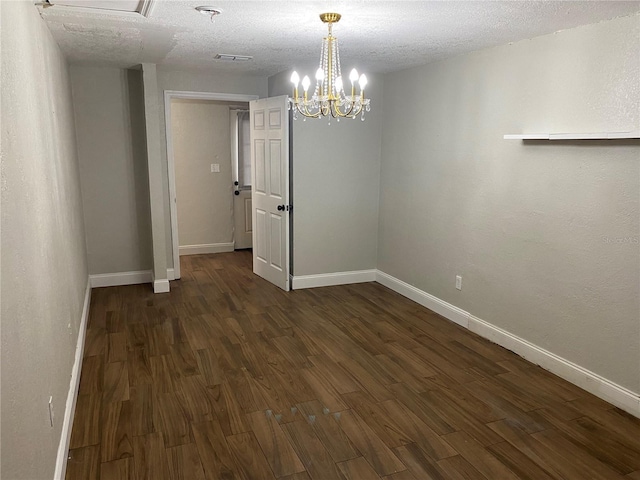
51,411
215,168
459,282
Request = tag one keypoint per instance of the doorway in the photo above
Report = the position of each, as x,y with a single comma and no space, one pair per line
203,169
239,126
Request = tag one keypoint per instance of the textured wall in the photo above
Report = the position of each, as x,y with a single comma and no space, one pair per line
545,234
109,113
44,268
201,136
197,82
336,179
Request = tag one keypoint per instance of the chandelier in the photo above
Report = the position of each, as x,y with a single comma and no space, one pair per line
329,98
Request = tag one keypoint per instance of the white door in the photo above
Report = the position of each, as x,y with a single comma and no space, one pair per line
243,232
270,189
240,121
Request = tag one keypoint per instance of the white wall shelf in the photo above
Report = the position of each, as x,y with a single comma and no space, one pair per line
574,136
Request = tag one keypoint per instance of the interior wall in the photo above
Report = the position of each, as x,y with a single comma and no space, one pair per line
545,234
109,113
44,267
336,180
196,82
202,137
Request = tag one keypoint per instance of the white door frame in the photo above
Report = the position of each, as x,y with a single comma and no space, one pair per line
171,166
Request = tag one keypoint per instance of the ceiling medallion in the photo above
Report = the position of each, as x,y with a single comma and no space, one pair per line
329,98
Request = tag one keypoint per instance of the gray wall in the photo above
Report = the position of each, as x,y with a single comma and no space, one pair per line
201,136
545,234
109,113
196,82
336,179
44,268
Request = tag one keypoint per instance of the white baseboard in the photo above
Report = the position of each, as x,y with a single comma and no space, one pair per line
591,382
126,278
453,313
330,279
120,278
206,248
583,378
171,274
72,396
161,286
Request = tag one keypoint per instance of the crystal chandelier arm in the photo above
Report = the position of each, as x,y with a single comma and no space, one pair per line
350,112
306,113
302,106
325,108
309,114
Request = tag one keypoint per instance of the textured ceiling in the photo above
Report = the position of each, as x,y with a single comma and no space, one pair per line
375,36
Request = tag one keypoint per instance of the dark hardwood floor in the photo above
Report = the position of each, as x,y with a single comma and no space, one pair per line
229,377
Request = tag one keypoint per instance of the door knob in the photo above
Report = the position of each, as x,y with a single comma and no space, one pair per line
281,208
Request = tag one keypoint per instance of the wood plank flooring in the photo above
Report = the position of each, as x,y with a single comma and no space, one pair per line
229,377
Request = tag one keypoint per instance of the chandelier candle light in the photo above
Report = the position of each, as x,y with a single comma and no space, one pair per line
329,97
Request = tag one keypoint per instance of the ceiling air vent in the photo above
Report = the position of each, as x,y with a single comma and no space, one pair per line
122,7
233,58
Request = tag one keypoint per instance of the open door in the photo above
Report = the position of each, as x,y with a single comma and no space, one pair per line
270,189
241,168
